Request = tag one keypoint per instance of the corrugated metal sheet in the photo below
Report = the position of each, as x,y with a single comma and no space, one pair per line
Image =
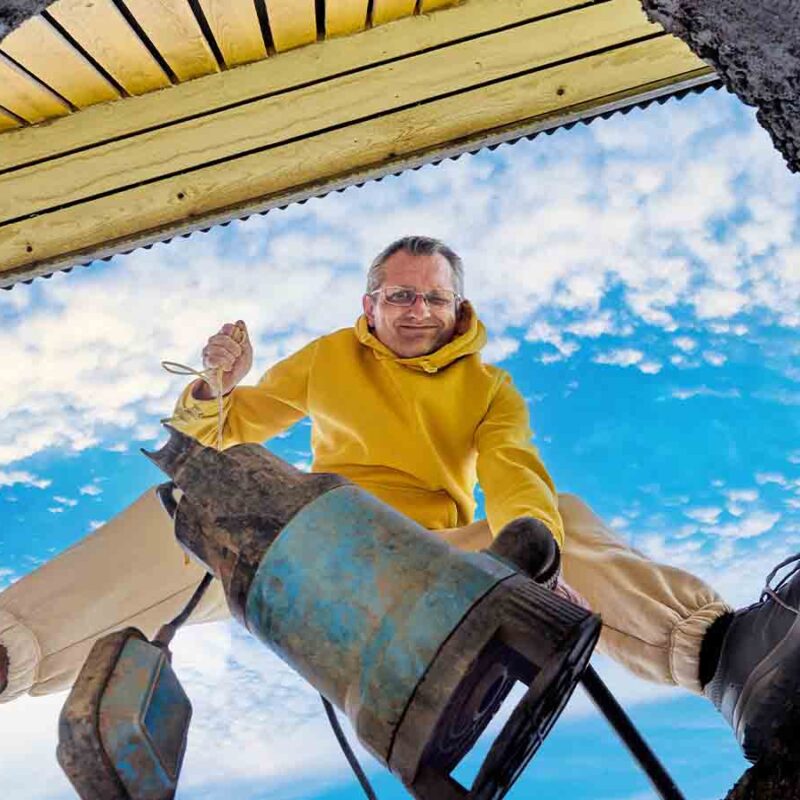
660,100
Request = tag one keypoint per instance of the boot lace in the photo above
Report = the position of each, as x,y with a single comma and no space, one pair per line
771,592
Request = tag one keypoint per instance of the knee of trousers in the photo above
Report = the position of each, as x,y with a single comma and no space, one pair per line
24,656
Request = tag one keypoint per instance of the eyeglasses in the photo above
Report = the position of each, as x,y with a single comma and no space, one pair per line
407,296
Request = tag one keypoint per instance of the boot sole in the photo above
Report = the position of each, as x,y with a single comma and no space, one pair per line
754,718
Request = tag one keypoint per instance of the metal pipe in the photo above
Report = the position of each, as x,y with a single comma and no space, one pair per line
630,736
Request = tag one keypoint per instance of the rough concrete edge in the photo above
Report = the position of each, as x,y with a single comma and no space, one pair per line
14,12
737,37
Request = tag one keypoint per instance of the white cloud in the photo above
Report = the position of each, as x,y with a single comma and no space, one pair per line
685,343
650,367
741,495
714,358
7,577
595,326
118,447
624,357
91,489
550,334
56,510
96,523
704,391
14,477
738,499
628,357
770,477
707,515
716,302
785,397
749,526
66,501
27,757
499,348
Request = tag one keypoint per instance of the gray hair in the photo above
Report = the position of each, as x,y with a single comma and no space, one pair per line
416,246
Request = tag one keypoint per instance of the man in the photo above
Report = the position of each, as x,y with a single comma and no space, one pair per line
403,406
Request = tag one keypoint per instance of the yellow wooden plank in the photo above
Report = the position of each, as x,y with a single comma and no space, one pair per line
335,102
314,63
7,122
102,31
172,28
343,17
293,23
26,97
433,5
300,168
40,48
236,29
389,10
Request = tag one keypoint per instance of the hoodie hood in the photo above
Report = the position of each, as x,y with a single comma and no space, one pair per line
467,343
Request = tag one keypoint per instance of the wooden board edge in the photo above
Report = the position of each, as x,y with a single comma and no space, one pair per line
696,79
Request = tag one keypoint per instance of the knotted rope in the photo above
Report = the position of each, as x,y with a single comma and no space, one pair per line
213,377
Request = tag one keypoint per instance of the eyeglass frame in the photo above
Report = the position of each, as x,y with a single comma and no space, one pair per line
457,298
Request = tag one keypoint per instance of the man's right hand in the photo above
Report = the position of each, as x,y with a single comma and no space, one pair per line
231,350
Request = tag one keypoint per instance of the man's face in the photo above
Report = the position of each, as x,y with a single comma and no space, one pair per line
418,329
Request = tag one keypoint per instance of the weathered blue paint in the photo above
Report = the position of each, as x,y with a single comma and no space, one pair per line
144,720
358,599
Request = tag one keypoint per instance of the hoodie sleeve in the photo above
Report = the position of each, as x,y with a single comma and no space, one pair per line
514,480
252,413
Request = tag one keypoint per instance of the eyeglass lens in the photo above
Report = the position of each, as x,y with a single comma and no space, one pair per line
404,296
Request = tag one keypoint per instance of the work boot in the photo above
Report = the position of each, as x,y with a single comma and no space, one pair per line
3,669
756,682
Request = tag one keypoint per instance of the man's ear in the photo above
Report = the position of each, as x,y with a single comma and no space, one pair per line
368,304
463,317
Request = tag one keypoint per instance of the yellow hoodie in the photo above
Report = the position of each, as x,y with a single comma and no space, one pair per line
415,432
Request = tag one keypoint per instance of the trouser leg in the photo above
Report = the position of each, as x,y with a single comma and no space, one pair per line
129,572
132,572
654,615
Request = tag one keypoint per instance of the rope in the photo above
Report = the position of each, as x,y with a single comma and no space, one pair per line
213,377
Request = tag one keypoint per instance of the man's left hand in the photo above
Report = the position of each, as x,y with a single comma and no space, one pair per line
565,591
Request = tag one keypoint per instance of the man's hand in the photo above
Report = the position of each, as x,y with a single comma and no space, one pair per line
3,669
231,350
528,544
565,591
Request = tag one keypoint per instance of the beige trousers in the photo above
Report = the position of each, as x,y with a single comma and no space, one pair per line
131,571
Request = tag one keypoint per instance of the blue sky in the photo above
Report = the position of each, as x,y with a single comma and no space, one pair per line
640,278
